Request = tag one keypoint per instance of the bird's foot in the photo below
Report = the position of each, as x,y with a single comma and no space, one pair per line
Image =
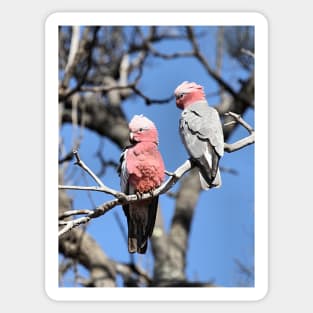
139,195
169,173
151,193
121,197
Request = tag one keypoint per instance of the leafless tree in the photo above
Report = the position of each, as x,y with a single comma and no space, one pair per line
100,69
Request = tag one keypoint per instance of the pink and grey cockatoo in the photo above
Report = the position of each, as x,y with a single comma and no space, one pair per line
141,170
201,132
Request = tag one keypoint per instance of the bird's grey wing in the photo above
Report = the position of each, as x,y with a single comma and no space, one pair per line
205,121
124,178
122,171
202,134
189,126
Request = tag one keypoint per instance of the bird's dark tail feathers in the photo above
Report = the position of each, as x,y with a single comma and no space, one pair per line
209,172
141,219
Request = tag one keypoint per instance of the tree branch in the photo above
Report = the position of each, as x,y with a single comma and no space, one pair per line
242,142
103,188
83,220
120,198
131,86
247,52
210,71
86,49
129,270
72,59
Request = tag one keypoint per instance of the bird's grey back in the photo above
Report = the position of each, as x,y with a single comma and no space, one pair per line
203,121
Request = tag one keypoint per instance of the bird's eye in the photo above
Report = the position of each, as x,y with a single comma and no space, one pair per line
140,129
179,96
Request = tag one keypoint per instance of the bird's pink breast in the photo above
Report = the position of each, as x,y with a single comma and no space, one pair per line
145,167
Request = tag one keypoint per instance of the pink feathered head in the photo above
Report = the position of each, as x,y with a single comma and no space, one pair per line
142,129
187,93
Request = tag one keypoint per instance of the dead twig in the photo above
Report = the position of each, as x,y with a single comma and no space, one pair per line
231,147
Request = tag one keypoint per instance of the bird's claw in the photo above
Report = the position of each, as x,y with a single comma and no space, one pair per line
139,195
121,197
169,173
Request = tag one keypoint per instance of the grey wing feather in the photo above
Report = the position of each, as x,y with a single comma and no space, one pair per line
124,175
202,133
192,142
122,171
205,122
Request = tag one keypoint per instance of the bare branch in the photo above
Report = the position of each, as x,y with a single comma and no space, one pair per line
247,52
219,49
86,49
240,120
165,56
242,142
87,188
239,144
138,62
149,101
183,169
72,59
104,163
73,212
131,86
68,157
74,223
154,36
120,198
124,67
106,88
80,163
210,71
128,270
93,214
104,188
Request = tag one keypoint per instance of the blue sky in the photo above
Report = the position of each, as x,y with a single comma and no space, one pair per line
223,225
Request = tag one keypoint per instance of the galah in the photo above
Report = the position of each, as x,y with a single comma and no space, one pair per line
201,132
141,170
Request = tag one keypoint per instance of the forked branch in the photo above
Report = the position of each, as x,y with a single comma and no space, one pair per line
232,147
121,198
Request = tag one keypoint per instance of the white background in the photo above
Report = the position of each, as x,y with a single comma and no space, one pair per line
22,156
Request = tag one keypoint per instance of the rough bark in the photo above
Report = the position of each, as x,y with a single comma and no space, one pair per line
170,265
106,120
81,247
